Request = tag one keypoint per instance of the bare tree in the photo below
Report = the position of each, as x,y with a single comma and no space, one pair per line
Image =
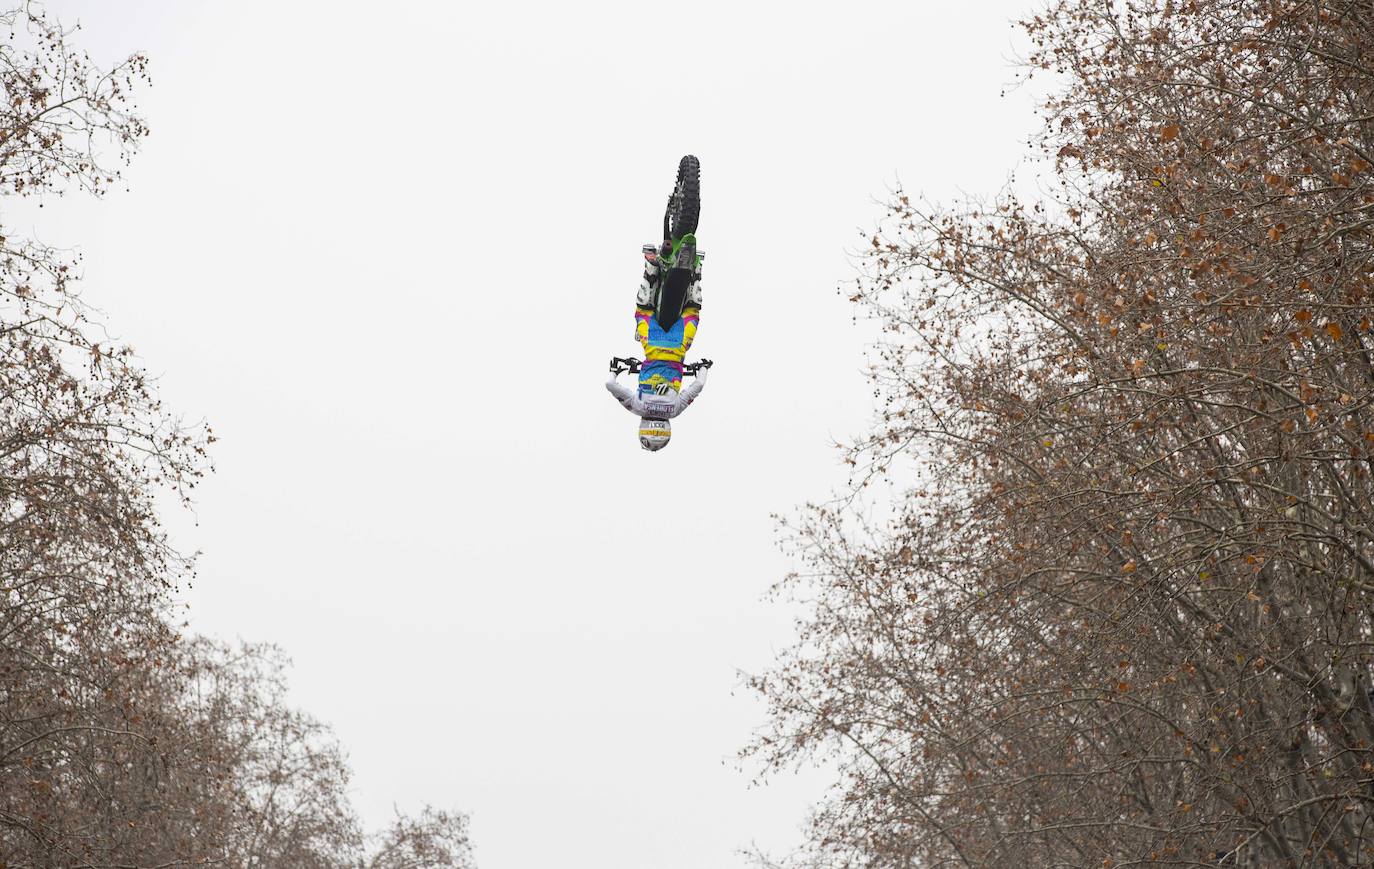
287,777
84,446
121,743
1121,609
433,839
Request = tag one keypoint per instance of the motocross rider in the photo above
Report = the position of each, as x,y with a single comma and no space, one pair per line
660,395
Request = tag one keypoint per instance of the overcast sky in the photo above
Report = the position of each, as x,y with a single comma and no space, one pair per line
386,250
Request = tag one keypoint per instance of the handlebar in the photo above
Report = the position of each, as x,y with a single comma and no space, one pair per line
632,365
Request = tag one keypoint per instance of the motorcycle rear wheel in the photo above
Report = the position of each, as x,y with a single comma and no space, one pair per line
684,206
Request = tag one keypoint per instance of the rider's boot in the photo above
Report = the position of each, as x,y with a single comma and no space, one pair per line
694,293
648,283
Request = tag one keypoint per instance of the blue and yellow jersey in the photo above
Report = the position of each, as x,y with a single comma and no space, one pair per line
664,350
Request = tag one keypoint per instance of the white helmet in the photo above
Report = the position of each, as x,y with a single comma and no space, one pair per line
654,433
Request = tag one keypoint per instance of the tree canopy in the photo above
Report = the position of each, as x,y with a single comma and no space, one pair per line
1121,611
122,742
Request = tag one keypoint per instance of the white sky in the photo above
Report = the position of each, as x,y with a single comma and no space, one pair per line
386,250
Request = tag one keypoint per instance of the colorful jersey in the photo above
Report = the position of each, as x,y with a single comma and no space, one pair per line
664,350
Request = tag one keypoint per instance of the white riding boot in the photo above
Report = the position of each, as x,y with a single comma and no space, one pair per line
648,283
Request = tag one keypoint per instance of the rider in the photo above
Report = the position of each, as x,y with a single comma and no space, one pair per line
660,396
